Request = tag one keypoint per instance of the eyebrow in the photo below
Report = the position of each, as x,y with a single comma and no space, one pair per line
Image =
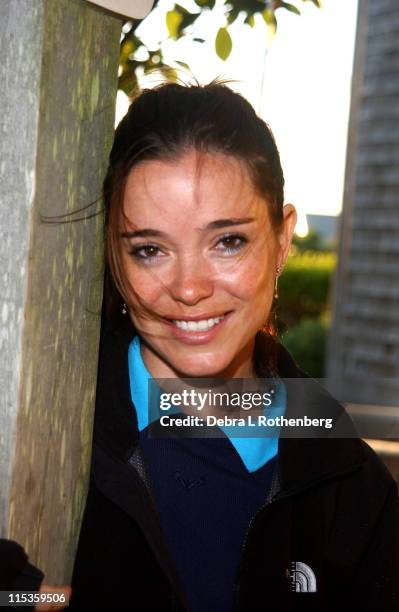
218,224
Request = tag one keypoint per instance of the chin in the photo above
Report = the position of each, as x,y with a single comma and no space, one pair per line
198,369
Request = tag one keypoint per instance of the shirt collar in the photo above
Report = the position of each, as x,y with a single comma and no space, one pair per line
254,452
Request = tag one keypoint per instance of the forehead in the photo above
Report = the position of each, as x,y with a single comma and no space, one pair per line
196,186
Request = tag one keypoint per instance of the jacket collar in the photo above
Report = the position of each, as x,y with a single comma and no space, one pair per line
302,461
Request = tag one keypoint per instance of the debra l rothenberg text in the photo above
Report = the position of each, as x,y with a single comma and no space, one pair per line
248,421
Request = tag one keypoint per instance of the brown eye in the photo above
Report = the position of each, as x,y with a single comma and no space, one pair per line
150,251
146,252
232,243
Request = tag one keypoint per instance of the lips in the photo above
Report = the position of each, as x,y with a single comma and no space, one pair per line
197,329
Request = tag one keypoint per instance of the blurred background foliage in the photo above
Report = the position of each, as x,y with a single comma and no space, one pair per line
303,306
136,55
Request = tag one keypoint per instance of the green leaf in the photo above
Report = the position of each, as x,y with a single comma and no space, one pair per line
315,2
127,48
183,64
270,19
200,40
250,20
181,9
169,73
223,44
188,19
179,19
290,7
173,21
232,15
205,3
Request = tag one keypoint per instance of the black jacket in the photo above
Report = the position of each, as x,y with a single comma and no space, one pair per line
333,506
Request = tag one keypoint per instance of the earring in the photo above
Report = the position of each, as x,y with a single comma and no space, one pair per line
124,308
278,272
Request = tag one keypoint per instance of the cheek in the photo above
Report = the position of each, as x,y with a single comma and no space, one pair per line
145,283
253,280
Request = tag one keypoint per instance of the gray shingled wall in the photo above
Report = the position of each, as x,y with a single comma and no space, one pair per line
363,356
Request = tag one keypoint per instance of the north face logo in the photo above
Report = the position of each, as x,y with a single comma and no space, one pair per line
302,577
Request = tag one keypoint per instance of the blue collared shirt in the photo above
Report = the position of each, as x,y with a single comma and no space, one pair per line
254,452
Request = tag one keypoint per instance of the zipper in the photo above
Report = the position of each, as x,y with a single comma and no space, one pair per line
176,605
244,543
143,476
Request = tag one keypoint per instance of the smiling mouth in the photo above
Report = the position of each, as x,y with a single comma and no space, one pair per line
199,325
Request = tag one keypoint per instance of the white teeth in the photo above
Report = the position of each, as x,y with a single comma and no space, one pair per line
202,325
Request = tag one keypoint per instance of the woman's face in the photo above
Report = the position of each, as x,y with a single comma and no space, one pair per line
201,253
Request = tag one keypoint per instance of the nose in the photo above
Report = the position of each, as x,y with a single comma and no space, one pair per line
192,281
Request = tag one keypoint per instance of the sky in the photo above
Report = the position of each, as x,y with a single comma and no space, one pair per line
298,81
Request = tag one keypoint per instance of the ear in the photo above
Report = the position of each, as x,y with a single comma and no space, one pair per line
285,236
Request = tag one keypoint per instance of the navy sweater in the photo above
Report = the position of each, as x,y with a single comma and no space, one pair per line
206,499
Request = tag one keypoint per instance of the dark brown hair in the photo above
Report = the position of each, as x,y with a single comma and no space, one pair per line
162,124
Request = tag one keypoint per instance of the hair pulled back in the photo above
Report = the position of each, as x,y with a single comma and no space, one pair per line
163,124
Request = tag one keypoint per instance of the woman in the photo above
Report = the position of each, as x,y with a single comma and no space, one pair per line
197,235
